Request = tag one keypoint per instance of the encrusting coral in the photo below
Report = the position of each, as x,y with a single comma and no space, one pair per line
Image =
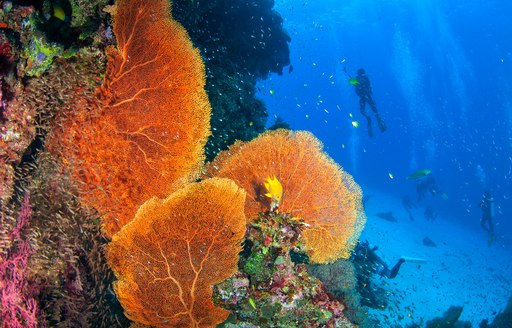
339,278
315,188
169,256
270,290
145,135
17,121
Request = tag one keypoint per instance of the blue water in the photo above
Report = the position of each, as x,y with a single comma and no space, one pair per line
441,73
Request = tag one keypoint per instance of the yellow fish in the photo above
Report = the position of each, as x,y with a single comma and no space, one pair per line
419,174
274,191
58,12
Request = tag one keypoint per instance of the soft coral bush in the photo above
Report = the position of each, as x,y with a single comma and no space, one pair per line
19,307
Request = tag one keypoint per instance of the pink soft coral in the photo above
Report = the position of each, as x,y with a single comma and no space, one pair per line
19,308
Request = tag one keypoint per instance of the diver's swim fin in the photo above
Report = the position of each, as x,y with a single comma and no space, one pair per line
369,125
382,125
370,130
414,259
491,239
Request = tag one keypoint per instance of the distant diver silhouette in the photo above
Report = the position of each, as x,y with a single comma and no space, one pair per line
426,186
487,206
430,214
408,205
363,89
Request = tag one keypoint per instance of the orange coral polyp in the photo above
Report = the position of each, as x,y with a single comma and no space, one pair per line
169,256
317,189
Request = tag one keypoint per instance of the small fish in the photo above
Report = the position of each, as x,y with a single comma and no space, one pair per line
428,242
271,91
274,191
253,304
355,124
58,12
419,174
353,81
388,216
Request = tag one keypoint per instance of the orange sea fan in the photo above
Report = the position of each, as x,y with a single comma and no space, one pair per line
145,137
169,256
315,188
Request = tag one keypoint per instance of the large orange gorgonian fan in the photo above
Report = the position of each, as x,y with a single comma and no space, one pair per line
315,188
169,256
145,136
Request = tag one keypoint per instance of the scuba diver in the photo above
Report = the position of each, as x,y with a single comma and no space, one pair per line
364,253
487,206
430,214
363,89
408,206
366,263
426,185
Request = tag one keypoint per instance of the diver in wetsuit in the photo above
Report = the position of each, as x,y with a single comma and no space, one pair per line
363,89
364,253
487,206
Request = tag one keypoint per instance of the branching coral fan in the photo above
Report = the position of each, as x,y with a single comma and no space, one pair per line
169,256
145,136
315,188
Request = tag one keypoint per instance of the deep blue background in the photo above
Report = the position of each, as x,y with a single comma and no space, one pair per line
442,78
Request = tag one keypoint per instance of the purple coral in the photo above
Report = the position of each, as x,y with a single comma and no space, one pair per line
19,308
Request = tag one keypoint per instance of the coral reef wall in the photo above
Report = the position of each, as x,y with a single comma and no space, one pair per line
103,136
241,42
49,68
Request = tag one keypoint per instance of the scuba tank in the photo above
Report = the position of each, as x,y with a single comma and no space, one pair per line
490,202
